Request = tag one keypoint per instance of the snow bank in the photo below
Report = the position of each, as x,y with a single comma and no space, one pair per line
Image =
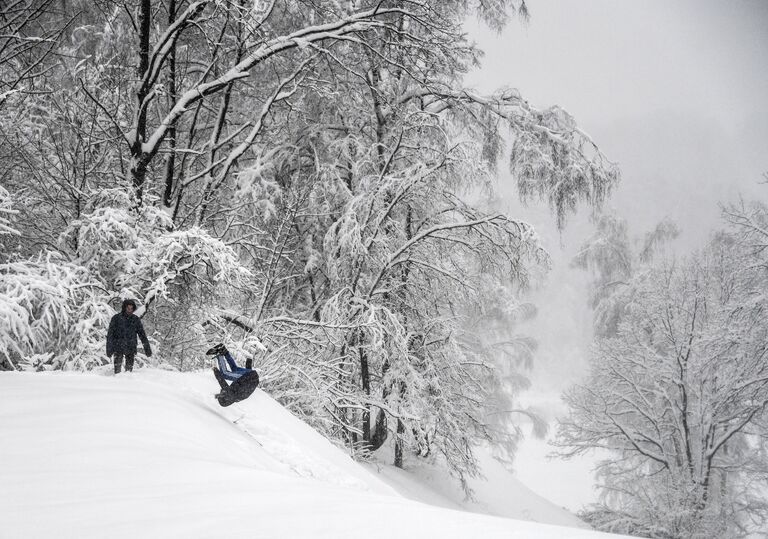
151,454
499,493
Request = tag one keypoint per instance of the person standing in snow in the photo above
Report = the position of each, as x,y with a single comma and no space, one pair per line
124,327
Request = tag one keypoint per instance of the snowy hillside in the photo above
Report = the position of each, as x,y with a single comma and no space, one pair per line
150,454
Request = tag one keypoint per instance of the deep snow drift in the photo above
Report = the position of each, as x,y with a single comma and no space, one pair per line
151,454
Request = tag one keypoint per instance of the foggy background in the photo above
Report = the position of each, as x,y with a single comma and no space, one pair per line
676,92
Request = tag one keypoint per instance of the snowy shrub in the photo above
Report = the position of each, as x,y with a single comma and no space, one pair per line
52,315
110,237
190,253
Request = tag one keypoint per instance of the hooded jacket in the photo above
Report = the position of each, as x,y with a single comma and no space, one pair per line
123,330
239,390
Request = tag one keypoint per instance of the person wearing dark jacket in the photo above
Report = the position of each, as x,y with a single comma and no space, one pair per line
239,390
124,327
245,380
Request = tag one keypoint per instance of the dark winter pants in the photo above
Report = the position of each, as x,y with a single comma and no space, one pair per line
129,357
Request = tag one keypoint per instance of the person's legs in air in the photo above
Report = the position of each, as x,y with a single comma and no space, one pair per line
232,365
220,378
223,367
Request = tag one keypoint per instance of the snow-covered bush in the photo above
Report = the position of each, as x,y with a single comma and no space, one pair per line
111,237
193,254
56,305
52,315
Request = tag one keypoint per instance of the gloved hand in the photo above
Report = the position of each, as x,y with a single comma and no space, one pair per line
148,352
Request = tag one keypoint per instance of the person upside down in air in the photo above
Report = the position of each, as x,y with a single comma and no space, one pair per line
244,380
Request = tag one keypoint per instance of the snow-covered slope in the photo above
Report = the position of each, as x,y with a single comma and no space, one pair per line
151,454
499,493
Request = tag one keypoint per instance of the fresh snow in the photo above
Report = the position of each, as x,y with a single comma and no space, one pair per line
151,454
498,493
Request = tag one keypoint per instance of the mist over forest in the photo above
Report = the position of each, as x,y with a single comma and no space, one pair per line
437,230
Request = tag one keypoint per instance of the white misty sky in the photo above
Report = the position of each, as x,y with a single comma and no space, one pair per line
675,91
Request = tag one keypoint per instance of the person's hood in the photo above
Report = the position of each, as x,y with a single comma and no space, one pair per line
126,303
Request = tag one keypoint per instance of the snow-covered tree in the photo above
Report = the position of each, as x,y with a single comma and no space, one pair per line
677,395
614,259
295,178
51,315
30,33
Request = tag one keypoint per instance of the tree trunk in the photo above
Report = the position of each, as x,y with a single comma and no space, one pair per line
171,163
399,444
366,381
379,435
138,159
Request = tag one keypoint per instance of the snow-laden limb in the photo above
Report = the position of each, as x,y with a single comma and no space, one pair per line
52,315
146,149
6,94
191,253
554,160
6,210
30,31
551,158
750,219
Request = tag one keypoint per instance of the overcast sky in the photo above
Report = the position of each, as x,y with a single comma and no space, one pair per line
675,91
